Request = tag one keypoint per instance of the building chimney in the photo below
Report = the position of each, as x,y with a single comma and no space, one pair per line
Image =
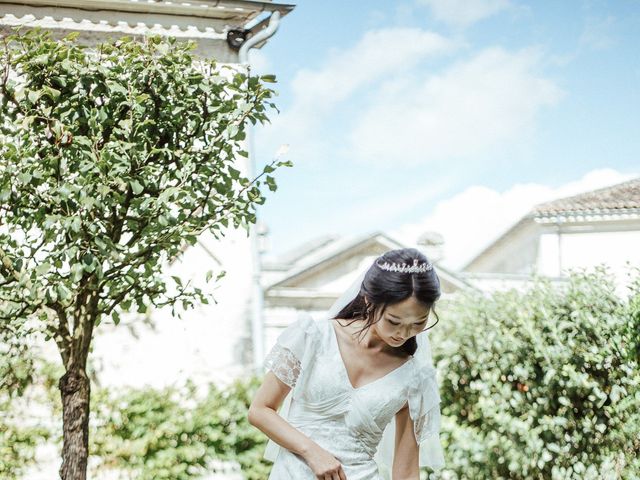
432,245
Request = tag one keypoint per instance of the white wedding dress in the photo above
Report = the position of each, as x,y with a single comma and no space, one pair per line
348,422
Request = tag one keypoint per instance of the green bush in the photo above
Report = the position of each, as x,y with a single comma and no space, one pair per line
542,384
172,434
23,378
142,434
17,442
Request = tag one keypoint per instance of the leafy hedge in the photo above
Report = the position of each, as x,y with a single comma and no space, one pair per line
169,433
174,434
543,384
18,440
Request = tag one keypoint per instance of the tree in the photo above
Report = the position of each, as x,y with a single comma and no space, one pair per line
112,160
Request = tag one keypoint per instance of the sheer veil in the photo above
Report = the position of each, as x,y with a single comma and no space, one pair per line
430,450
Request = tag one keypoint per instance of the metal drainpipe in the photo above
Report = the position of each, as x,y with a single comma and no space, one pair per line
256,313
274,22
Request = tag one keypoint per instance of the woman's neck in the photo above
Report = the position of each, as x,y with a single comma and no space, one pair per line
369,341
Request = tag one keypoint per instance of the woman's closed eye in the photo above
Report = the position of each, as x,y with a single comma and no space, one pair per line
398,323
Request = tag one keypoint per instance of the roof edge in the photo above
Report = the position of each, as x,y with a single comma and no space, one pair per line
197,10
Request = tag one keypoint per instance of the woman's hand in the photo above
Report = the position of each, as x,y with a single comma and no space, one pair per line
324,465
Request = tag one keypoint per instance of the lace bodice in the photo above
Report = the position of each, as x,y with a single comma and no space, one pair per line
350,422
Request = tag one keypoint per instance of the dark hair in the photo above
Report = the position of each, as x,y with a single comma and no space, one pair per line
384,287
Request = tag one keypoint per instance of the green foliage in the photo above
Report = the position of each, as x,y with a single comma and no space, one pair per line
543,384
16,359
171,434
17,443
28,382
112,160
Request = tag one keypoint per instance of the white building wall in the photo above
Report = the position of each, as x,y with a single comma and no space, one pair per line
207,344
553,249
549,254
586,245
581,250
521,256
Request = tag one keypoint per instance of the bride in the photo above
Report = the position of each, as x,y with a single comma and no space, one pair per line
353,395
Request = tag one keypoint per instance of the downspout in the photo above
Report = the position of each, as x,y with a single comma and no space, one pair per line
274,23
257,324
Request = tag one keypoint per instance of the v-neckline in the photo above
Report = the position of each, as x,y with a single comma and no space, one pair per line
334,334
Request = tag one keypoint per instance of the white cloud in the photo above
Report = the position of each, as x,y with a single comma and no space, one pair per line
471,107
317,92
378,53
387,205
462,13
475,217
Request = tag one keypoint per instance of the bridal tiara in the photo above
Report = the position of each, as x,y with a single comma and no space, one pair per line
405,268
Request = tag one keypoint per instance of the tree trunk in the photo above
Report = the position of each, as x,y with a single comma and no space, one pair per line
75,390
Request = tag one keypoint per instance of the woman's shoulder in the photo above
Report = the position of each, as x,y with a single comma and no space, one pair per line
304,322
423,378
343,327
423,370
306,326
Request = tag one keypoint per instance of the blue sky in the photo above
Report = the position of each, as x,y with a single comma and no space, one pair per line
453,116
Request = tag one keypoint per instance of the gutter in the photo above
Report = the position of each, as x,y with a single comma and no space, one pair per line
257,321
222,9
272,27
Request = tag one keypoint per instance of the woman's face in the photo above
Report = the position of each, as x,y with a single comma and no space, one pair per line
401,321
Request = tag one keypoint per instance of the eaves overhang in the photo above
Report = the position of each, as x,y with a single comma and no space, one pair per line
592,215
236,12
205,21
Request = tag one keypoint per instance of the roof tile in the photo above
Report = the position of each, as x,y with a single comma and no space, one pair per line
620,197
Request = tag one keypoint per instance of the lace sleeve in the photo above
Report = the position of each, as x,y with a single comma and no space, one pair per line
284,364
286,357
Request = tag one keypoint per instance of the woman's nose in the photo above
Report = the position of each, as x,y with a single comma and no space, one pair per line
405,333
